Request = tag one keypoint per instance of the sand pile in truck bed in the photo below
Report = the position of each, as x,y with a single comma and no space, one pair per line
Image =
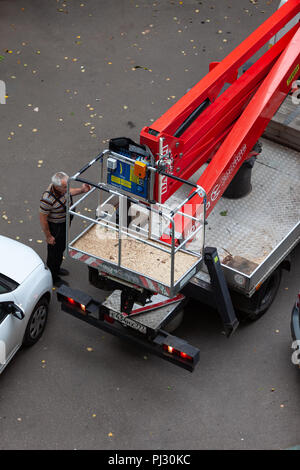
98,241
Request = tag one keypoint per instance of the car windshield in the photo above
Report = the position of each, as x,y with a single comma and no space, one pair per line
7,284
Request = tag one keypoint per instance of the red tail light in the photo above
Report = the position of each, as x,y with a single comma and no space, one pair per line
175,352
185,356
108,318
73,302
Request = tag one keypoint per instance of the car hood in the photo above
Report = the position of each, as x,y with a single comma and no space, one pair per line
17,261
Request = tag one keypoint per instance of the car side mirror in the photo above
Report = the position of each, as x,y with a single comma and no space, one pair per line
16,311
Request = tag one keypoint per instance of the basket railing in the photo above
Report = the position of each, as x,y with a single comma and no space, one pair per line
144,235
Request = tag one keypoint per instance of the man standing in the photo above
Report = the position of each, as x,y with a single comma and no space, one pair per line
53,222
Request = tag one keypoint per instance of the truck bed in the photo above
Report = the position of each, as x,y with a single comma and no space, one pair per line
254,233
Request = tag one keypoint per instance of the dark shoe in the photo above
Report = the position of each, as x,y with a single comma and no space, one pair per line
63,272
59,282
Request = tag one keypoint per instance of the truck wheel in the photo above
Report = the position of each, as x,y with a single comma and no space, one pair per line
98,281
252,309
175,323
36,323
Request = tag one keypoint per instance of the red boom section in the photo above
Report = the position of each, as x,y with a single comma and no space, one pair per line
205,135
195,127
247,129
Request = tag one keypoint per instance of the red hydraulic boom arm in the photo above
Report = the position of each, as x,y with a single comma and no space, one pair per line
208,125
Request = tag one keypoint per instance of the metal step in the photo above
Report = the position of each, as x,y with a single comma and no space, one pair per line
154,315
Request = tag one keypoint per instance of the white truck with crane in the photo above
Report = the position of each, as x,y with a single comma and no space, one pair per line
155,240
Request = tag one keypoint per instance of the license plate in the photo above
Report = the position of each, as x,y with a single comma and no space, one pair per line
128,321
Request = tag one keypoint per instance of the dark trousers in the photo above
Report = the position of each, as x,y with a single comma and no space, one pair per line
55,252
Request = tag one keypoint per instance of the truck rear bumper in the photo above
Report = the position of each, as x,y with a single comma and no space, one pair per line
157,342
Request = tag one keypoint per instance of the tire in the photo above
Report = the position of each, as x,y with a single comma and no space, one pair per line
37,323
254,308
175,323
99,281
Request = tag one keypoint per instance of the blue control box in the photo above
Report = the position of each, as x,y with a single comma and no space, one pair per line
123,177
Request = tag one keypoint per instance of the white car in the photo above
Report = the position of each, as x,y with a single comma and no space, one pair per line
25,293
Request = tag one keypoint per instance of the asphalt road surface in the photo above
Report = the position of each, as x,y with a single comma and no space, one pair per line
78,73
